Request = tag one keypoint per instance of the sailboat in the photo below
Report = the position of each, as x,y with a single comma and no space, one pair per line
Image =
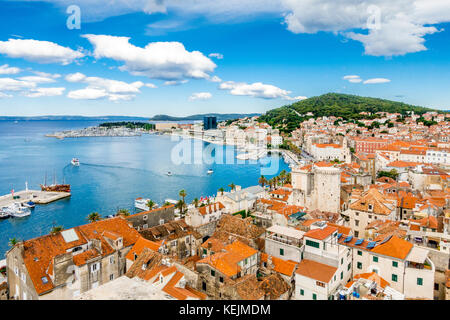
55,187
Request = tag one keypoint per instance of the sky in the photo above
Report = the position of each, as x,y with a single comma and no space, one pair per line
148,57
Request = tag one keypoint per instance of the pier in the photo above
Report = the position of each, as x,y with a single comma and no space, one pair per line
38,197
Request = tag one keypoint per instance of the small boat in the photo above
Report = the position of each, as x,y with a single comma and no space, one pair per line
4,213
75,162
29,204
169,173
16,210
210,171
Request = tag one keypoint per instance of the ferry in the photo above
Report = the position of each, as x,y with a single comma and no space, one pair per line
210,171
75,162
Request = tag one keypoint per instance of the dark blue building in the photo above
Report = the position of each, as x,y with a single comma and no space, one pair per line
209,123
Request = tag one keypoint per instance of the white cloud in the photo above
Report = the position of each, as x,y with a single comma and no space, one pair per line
216,55
87,94
47,75
297,98
384,27
37,79
158,60
4,95
200,96
257,90
215,79
45,92
352,78
98,88
151,85
175,83
6,69
376,80
9,84
39,51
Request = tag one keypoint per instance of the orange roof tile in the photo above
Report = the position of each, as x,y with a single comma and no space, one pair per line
316,270
321,234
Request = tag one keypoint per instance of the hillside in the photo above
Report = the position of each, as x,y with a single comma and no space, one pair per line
220,116
335,104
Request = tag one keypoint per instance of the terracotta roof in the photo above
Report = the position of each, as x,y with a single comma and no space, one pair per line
149,211
321,234
374,198
39,253
394,247
274,286
282,266
213,207
315,270
373,276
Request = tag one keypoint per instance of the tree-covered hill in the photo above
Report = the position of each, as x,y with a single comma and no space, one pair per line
334,104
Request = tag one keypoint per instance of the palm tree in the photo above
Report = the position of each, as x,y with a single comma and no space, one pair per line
221,190
289,178
150,204
183,195
232,186
282,176
195,202
262,181
123,212
56,229
12,242
94,216
167,203
180,206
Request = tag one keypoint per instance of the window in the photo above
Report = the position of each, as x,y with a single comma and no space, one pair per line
111,277
145,226
359,253
204,286
281,252
395,264
356,222
375,259
221,279
342,275
94,267
213,273
245,261
348,267
436,286
342,260
356,234
23,277
419,281
205,251
314,296
111,260
359,265
312,244
145,218
394,277
320,284
302,292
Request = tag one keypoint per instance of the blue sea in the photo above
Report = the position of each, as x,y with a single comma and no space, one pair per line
113,172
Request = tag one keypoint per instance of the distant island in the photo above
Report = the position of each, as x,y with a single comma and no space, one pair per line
220,116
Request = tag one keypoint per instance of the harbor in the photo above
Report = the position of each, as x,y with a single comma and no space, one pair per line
36,196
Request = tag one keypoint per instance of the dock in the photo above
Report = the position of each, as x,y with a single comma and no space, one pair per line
38,197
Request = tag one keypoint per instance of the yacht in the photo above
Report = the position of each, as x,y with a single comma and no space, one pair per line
210,171
16,210
4,213
75,162
141,204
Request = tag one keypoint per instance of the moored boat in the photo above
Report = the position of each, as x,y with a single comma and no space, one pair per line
75,162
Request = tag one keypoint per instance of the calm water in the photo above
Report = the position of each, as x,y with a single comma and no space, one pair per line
113,172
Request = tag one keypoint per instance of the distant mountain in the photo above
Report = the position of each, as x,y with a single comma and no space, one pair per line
72,118
220,116
335,104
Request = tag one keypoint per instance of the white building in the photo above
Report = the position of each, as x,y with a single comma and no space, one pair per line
284,243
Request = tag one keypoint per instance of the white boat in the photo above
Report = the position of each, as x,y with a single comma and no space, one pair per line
4,213
171,201
29,204
141,204
16,210
210,171
169,173
75,162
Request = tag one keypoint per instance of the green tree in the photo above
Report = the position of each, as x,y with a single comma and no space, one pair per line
195,202
150,204
123,212
391,174
183,195
94,216
12,242
56,229
262,181
232,186
221,190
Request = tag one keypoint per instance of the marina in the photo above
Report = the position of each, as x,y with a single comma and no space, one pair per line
35,196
